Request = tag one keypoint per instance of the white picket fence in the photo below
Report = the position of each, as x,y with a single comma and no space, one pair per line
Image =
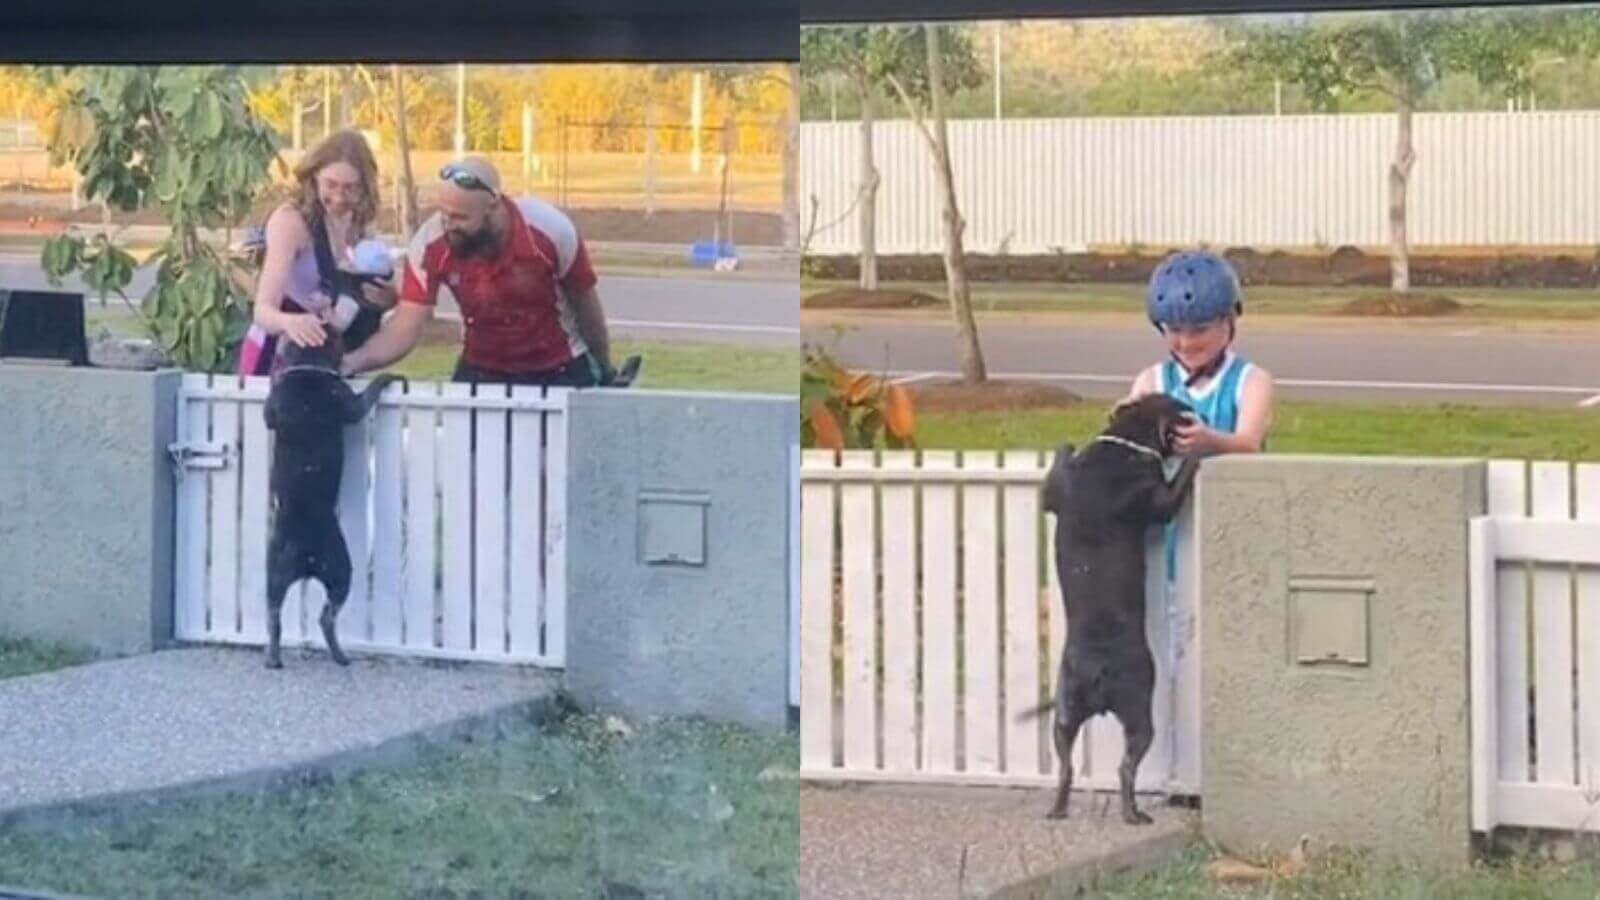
1535,578
458,553
931,615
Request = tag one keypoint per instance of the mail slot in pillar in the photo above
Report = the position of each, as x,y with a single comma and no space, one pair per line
1329,622
1334,652
672,528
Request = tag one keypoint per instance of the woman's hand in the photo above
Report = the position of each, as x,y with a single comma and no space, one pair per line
304,329
380,293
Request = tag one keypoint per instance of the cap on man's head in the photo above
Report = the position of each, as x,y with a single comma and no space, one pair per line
473,173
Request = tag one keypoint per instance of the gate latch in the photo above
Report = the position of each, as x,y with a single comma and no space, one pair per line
200,456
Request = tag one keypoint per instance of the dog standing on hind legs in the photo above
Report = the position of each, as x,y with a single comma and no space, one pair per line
308,408
1105,499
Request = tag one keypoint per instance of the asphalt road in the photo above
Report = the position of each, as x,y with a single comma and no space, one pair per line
1334,361
676,307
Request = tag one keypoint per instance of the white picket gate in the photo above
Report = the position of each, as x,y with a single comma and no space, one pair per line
1536,572
931,615
459,552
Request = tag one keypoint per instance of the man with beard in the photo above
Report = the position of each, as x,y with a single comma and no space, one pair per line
519,272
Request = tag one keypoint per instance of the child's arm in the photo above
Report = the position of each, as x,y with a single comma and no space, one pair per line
1255,412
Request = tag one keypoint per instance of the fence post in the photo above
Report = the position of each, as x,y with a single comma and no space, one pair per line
650,160
1481,652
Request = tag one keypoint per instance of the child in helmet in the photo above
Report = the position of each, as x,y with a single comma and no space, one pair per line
1193,299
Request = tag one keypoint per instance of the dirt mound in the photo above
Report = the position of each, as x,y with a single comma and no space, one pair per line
1348,264
1403,305
855,298
951,395
1342,267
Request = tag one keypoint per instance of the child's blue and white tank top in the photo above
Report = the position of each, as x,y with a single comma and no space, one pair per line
1216,404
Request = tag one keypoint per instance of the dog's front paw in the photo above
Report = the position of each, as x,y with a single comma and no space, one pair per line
1136,818
1059,812
274,663
340,658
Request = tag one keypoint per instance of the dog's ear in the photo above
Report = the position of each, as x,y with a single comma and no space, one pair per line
1165,422
1055,482
1121,407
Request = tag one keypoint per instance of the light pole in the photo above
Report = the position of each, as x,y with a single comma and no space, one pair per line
461,109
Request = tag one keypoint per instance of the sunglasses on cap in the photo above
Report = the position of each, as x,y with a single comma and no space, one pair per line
465,180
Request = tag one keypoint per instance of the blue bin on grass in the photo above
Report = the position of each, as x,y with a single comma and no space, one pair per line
706,253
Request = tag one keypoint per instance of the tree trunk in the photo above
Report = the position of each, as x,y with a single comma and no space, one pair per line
868,215
1399,176
955,266
408,187
791,164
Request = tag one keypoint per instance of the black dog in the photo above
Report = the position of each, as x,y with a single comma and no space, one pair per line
1105,499
308,408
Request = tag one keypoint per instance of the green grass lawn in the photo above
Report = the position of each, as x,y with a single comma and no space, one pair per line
1422,430
1346,876
676,810
1260,300
27,657
668,365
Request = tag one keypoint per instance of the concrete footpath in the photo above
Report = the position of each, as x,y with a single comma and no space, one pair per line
90,740
936,842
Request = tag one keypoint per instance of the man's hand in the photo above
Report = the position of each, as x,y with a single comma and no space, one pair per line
394,339
380,293
591,318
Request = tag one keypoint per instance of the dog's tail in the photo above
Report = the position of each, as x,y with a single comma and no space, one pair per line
1032,712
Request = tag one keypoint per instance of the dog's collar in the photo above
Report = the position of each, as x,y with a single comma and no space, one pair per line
326,370
1131,445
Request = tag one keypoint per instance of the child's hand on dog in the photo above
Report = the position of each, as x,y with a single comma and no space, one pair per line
1192,436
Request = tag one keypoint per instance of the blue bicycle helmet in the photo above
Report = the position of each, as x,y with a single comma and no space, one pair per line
1192,288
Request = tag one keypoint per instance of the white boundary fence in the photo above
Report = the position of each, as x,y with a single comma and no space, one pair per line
930,615
1041,185
1535,638
458,553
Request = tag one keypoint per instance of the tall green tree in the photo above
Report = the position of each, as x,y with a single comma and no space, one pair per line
922,66
1403,57
182,139
863,56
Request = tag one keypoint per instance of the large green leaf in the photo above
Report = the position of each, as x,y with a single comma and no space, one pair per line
169,175
60,256
209,120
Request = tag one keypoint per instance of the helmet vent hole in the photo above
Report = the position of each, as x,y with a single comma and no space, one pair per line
1188,296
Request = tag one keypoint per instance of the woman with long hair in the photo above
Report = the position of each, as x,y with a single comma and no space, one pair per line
336,204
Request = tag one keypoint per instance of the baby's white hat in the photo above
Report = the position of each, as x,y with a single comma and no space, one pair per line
372,257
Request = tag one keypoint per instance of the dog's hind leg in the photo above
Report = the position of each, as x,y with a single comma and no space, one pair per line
1069,718
1138,732
333,570
282,572
1064,731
